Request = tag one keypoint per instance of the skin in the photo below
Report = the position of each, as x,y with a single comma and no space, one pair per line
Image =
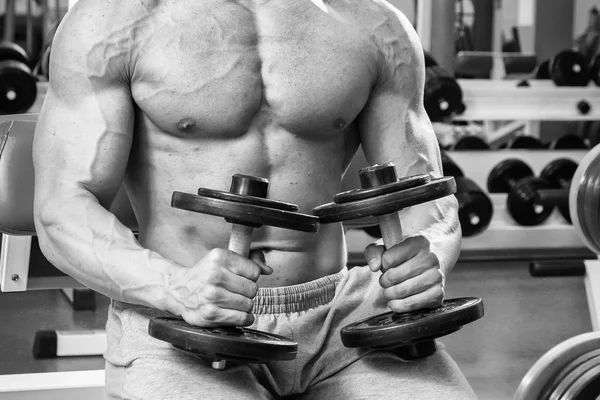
164,96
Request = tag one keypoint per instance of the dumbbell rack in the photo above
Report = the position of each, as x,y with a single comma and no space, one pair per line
540,101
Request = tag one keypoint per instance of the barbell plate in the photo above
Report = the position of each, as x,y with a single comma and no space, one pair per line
572,373
556,386
387,203
401,184
245,213
18,88
229,343
548,366
589,167
238,198
586,387
400,329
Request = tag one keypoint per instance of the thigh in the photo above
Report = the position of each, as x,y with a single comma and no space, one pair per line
381,375
182,378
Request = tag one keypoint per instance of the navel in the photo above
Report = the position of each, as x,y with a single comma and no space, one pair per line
186,125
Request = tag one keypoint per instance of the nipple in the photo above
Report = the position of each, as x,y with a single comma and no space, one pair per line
186,125
339,123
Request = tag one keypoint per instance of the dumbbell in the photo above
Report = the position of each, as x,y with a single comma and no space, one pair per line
471,142
411,335
566,68
475,209
443,96
516,178
559,174
18,87
246,207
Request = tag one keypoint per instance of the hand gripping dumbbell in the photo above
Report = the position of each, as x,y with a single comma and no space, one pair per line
246,207
516,178
559,174
475,209
443,96
566,68
411,335
18,87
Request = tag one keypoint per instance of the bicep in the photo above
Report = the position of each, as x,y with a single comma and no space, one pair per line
394,126
84,132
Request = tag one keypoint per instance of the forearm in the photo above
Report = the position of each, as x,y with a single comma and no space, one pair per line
438,222
87,242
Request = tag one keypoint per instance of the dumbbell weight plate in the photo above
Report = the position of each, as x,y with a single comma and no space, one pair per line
559,170
552,363
569,68
525,211
595,70
442,96
230,343
14,52
543,71
475,209
513,168
237,198
18,88
243,212
568,142
468,143
387,203
584,200
525,143
400,184
400,329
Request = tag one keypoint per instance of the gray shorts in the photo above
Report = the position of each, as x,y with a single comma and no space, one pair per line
312,314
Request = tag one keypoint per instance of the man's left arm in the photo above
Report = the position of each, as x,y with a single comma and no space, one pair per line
394,127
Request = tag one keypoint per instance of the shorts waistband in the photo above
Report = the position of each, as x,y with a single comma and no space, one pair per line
297,298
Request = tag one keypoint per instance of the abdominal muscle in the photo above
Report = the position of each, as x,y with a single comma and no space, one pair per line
304,178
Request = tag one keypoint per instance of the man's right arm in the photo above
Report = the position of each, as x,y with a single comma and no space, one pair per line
81,148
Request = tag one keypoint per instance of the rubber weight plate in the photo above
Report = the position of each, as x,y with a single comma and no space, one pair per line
555,384
14,52
584,200
509,169
232,344
569,68
244,213
551,364
18,88
574,374
400,329
400,184
521,202
387,203
586,387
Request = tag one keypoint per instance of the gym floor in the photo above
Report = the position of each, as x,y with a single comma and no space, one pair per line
525,317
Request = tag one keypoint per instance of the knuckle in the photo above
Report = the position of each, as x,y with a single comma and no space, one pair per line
253,289
213,275
211,293
210,313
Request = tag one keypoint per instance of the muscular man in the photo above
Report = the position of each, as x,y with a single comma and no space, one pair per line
166,95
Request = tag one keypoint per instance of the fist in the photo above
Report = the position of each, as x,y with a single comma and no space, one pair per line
219,289
411,276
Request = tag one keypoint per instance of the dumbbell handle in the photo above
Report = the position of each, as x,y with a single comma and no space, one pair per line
240,239
552,197
391,229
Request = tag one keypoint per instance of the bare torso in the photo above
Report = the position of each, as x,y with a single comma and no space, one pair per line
265,88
